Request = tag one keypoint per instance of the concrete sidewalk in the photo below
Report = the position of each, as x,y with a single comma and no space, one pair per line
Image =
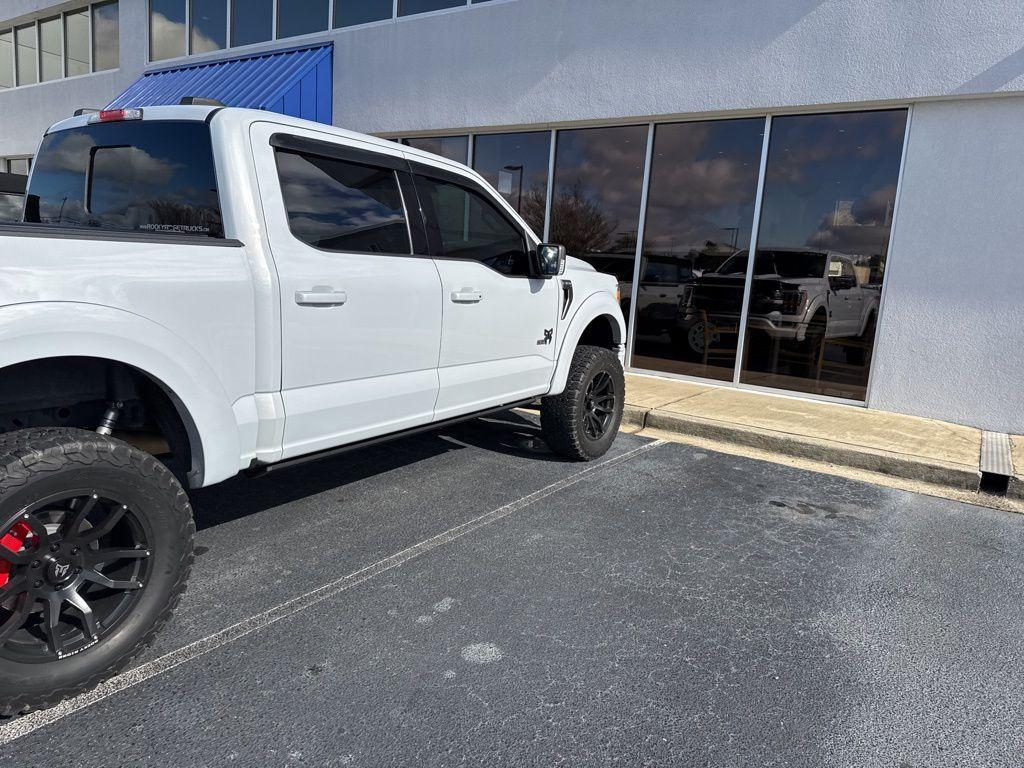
916,449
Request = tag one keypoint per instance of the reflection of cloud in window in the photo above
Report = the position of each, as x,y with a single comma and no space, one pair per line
105,30
859,226
318,205
131,165
174,33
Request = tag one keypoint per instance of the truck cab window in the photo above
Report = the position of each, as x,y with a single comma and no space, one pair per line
155,176
341,206
462,224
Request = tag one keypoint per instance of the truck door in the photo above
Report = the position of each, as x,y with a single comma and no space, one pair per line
844,304
499,324
360,314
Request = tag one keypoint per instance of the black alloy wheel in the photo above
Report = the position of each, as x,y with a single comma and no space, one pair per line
599,405
72,565
95,550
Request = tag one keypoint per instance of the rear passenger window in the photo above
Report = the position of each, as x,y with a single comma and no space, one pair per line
341,206
463,224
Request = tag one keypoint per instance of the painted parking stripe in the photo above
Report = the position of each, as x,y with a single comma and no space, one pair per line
32,722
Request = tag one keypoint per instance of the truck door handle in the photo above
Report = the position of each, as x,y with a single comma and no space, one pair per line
320,296
467,296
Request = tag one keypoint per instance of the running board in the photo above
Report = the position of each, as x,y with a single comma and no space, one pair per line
259,468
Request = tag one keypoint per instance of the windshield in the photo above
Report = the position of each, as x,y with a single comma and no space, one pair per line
788,264
155,176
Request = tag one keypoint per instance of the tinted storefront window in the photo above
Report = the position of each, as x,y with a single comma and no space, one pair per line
252,21
301,17
516,164
76,49
209,19
51,66
409,7
348,13
700,211
452,147
128,176
106,37
829,194
166,29
25,40
595,207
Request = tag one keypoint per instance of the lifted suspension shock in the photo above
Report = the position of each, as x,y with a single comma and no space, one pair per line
110,417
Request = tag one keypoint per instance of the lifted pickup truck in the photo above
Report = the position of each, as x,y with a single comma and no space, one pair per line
199,291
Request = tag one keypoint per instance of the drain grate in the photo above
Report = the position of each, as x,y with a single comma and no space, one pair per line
996,463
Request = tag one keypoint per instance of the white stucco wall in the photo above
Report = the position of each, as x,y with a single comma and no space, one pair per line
544,61
951,337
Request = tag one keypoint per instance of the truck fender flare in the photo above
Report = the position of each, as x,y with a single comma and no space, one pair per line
594,306
36,331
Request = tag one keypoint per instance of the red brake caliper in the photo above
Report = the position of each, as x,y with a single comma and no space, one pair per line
14,540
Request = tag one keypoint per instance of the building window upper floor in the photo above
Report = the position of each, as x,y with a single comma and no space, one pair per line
185,27
67,44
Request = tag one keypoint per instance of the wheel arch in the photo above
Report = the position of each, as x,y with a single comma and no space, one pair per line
68,331
597,322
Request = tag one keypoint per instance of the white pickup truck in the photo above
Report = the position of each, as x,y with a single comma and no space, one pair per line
199,291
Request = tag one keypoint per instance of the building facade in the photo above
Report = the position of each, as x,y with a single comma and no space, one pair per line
866,152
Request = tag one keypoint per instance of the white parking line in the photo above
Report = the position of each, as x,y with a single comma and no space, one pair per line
36,720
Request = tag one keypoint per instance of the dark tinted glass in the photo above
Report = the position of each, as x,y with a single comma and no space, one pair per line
595,207
516,164
350,12
408,7
141,176
340,206
829,193
301,17
452,147
251,21
209,25
463,224
166,29
700,210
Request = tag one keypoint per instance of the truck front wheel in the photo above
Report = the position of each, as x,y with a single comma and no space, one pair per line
581,422
95,549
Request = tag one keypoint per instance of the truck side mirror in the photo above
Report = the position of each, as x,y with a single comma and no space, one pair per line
550,260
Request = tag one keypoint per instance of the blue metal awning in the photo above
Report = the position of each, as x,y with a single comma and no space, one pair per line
293,81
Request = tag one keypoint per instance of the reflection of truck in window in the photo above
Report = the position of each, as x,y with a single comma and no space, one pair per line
801,296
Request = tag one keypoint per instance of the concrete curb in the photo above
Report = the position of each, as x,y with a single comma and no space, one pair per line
801,446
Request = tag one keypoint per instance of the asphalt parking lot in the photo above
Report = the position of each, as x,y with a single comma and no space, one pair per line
666,606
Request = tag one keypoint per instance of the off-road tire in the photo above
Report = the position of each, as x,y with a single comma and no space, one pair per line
562,416
42,461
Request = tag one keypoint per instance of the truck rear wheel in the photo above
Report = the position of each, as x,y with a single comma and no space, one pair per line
581,422
95,550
